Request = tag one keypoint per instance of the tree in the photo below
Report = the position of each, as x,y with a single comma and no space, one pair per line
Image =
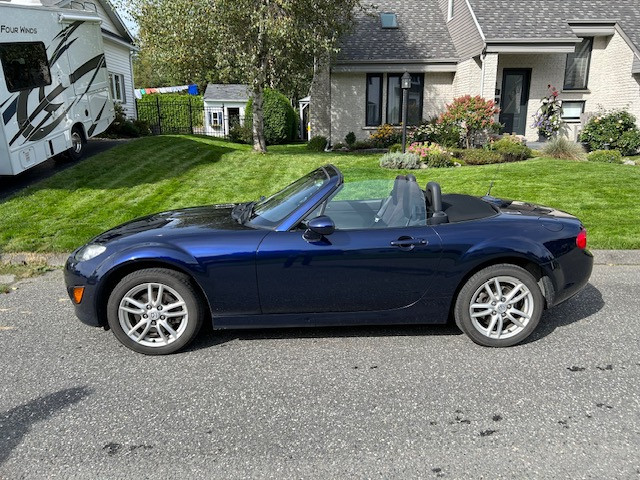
265,43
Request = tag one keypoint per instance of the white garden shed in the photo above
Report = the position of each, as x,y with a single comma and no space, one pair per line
224,106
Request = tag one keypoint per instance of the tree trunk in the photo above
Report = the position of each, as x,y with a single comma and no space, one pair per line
259,143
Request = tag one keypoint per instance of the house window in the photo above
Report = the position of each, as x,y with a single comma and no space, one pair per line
116,84
389,20
576,73
450,10
394,99
374,99
215,119
572,110
25,65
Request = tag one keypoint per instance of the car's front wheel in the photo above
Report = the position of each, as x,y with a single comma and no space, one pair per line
155,311
499,306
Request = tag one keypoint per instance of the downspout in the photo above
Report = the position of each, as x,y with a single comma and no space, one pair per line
483,56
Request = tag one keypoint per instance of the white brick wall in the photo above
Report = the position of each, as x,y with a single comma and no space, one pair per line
610,85
467,79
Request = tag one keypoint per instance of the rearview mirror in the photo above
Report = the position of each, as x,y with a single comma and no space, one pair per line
318,228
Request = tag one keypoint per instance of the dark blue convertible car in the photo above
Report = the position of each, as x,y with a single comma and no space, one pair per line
325,252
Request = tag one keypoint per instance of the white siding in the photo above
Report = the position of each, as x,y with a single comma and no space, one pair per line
107,24
118,59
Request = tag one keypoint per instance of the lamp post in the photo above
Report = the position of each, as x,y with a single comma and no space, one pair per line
406,85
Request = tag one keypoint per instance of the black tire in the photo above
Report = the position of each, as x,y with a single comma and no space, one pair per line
177,288
474,289
77,150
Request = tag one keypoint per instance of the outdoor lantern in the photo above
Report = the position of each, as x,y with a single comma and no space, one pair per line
406,81
406,85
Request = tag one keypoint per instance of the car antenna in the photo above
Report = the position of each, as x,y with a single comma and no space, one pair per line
489,191
493,180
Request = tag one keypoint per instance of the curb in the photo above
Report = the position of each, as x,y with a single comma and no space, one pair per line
601,257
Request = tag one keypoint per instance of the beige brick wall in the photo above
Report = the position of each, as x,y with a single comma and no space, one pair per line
610,85
348,101
467,79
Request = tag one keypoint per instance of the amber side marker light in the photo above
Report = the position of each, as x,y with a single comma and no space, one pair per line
77,294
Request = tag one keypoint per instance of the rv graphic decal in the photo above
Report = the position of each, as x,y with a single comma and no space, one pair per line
48,113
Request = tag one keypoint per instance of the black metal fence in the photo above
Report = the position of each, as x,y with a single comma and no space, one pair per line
188,117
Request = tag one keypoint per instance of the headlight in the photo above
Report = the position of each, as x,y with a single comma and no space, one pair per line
89,251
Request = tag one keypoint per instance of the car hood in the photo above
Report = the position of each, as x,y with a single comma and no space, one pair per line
183,221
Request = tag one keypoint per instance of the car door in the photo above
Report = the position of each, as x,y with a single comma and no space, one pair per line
371,269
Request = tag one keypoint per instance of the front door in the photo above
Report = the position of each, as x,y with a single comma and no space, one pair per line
349,271
514,100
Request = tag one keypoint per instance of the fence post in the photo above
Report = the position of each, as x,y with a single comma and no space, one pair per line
190,116
159,118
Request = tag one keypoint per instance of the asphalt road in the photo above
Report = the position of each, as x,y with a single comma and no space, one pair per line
403,402
11,185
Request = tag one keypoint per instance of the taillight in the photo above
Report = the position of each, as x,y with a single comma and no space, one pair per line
581,239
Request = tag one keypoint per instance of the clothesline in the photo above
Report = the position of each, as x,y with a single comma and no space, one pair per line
139,92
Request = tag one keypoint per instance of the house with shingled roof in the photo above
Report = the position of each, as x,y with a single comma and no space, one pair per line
507,50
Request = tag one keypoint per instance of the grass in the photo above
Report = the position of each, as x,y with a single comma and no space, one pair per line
160,173
22,271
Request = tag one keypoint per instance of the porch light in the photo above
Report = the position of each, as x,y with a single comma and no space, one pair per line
405,82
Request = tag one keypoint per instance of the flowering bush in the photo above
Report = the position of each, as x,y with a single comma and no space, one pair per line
548,118
616,130
385,136
432,154
474,115
446,134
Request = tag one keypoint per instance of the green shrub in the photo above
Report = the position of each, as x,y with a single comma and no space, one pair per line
400,161
457,153
362,145
317,144
563,149
241,134
396,147
448,135
280,121
339,146
612,129
511,149
174,108
629,142
385,136
439,160
480,156
605,156
350,139
122,127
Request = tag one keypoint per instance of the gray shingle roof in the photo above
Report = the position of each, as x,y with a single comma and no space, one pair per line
421,34
229,91
509,19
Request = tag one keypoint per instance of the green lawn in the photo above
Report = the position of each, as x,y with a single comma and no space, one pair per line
159,173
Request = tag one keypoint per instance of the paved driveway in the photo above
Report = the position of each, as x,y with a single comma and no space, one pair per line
11,185
401,402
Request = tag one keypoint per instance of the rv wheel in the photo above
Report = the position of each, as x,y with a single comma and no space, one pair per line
77,144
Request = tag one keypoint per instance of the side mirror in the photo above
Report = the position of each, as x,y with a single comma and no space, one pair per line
318,228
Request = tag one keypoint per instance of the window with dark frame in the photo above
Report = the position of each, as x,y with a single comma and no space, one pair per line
374,100
394,99
25,65
572,110
576,74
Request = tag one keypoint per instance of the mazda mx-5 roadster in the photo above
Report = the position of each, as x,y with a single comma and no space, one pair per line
325,252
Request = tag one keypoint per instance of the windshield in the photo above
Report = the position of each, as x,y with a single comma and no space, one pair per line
270,212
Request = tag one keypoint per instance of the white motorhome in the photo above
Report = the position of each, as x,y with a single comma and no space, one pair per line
54,85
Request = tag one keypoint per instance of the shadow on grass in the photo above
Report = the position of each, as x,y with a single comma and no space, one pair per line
16,423
143,161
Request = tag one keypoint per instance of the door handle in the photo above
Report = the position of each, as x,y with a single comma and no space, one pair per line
408,242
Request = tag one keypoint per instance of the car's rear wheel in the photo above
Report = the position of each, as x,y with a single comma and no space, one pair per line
155,311
499,306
